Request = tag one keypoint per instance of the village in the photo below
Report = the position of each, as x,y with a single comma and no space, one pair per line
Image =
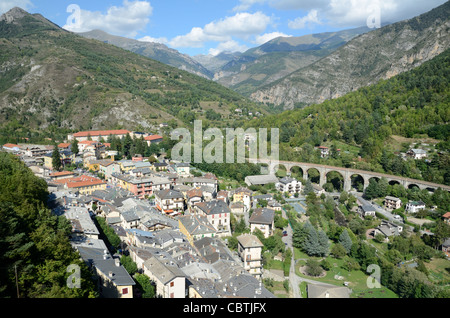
173,223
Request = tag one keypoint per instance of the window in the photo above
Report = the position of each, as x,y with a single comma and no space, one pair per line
125,291
171,284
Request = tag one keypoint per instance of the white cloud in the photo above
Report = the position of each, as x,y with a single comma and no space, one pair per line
241,25
247,4
147,38
306,21
6,5
264,38
228,46
127,20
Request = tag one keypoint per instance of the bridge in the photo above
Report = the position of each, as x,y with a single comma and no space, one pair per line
348,173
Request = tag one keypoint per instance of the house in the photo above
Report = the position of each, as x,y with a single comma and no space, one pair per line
274,205
183,169
218,214
392,203
318,190
36,151
169,201
262,219
61,175
193,196
140,186
243,195
130,219
195,227
170,281
289,185
65,146
83,184
261,179
108,168
416,153
159,166
414,206
446,218
223,196
250,252
153,139
237,208
366,210
113,281
11,147
82,224
446,247
324,151
388,229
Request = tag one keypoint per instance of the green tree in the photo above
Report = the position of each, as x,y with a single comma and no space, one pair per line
345,241
74,147
56,158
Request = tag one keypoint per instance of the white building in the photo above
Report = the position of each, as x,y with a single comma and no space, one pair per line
289,185
414,206
417,153
250,252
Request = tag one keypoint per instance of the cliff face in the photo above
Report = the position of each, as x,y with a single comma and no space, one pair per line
363,61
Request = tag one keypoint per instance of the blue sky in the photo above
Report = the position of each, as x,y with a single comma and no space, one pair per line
212,26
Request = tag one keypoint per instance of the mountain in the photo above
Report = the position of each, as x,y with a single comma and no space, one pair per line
156,51
215,62
379,54
279,57
51,78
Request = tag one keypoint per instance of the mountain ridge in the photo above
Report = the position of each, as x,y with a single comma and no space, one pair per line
369,57
154,50
54,79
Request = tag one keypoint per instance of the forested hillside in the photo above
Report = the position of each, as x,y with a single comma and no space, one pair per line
54,80
366,123
34,244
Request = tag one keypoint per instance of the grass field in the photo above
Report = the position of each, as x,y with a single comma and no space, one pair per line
357,280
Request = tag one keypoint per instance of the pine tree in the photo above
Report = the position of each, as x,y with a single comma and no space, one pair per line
345,240
75,148
323,242
56,158
311,245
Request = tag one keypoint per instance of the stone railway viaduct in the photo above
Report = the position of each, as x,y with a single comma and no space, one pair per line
348,173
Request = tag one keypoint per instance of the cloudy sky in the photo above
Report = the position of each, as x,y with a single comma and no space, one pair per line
212,26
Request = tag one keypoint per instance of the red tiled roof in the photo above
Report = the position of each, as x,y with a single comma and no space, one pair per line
62,173
63,145
447,215
88,142
153,137
101,133
82,181
10,146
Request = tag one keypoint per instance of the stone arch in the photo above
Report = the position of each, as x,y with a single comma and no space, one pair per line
413,185
313,175
357,182
393,182
431,190
280,170
336,179
297,172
